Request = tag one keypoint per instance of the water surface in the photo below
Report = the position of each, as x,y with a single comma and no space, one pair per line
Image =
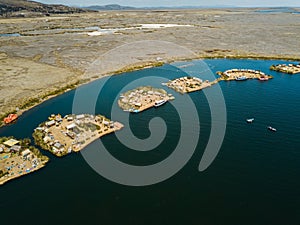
254,179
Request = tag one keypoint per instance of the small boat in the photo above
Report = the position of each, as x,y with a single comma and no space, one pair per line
263,78
52,117
132,110
159,103
250,120
241,78
10,118
272,129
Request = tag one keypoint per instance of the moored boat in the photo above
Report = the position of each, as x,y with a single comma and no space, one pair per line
263,78
159,103
10,118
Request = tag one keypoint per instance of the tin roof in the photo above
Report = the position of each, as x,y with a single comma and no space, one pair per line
11,142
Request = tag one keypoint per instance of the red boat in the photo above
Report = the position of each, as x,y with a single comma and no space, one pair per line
10,118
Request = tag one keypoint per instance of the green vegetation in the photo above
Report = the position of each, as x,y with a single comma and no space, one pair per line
29,103
38,154
89,126
34,101
25,144
61,90
38,139
5,115
4,139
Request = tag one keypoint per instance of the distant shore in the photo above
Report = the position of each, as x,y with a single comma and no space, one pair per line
39,64
31,103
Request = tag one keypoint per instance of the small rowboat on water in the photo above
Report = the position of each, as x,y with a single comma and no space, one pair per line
250,120
272,128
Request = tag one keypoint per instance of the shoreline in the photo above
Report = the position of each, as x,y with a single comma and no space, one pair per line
34,170
143,65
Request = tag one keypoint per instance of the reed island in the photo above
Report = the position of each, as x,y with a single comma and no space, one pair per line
72,133
188,84
142,98
18,158
284,68
244,74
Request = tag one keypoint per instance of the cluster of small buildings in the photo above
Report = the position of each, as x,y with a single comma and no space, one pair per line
244,74
187,84
235,72
142,98
290,68
12,146
61,136
16,160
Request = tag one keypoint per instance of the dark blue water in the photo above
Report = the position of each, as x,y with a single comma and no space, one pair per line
254,179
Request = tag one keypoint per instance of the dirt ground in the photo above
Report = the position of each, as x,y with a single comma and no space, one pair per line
55,51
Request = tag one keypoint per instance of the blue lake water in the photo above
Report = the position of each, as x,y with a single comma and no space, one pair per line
10,35
278,10
253,180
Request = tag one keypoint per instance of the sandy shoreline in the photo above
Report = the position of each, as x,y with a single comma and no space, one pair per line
40,65
21,175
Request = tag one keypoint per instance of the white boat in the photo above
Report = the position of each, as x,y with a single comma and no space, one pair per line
241,78
263,78
159,103
272,128
250,120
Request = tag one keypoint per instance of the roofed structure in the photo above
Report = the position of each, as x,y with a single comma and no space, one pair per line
11,142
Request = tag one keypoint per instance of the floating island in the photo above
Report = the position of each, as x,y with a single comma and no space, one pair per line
64,135
142,98
18,158
244,74
188,84
290,68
